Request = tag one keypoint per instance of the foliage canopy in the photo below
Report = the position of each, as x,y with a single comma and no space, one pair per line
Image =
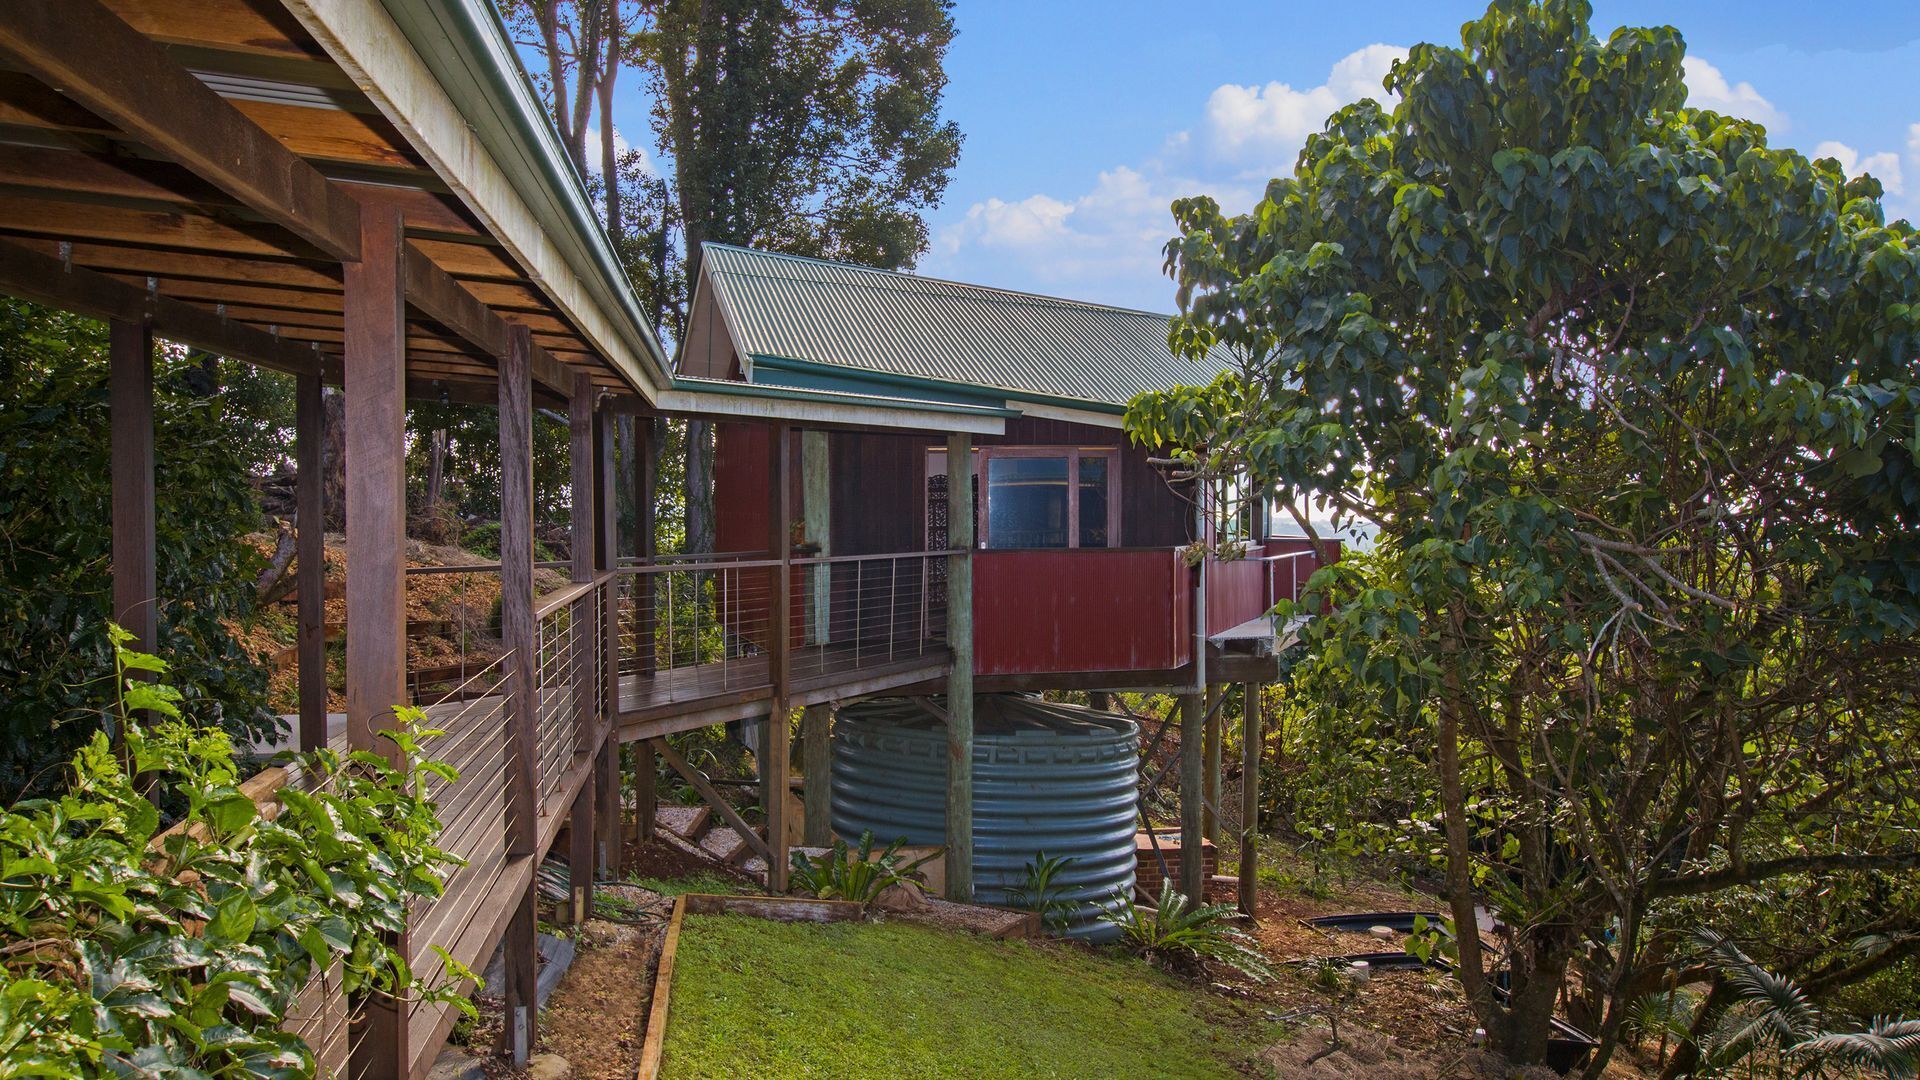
56,542
1631,397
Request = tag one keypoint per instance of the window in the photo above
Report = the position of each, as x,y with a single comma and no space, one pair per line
1037,496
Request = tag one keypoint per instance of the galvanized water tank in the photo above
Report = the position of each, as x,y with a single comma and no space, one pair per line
1046,778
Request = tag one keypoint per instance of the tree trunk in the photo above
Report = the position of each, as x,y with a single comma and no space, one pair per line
548,14
1539,969
609,157
699,487
333,470
586,69
436,467
627,515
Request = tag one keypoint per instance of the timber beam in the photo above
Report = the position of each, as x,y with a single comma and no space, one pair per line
90,55
49,280
93,57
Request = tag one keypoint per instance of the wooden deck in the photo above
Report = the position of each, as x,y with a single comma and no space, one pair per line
690,697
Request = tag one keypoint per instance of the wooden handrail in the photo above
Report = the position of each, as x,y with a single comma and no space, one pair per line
830,560
560,598
479,568
703,567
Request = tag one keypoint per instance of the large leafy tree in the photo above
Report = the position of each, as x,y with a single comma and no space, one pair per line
1630,396
810,127
804,126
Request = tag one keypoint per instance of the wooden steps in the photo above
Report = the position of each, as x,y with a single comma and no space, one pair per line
697,829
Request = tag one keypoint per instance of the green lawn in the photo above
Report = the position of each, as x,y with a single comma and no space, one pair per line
758,998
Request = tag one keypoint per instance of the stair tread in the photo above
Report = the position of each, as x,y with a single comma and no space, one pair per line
725,844
687,821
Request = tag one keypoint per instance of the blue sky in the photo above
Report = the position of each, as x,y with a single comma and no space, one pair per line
1084,119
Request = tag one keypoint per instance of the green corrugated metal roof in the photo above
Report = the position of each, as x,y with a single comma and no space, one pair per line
879,320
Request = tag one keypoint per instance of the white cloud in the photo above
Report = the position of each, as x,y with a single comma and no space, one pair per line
1276,119
1707,88
1105,244
620,148
1884,167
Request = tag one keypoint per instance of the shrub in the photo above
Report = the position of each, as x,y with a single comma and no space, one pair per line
133,951
56,582
860,876
1183,935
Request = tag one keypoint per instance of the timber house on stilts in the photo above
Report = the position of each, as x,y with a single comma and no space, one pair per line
924,483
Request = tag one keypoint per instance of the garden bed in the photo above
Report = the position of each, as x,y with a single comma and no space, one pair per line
755,997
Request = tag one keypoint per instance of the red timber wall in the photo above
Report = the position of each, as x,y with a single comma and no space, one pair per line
740,507
880,486
1035,612
1043,612
1248,588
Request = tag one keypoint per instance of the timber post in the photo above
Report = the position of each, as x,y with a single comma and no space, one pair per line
606,555
583,840
646,474
775,741
1193,873
1193,722
816,761
310,558
519,635
136,599
1210,827
1251,746
376,412
646,798
960,677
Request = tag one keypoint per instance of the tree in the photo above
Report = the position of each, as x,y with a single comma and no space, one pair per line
1631,397
804,126
56,544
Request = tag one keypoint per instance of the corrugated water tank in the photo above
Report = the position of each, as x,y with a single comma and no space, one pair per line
1047,778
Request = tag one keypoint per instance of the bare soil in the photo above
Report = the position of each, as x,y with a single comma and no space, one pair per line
595,1017
1403,1024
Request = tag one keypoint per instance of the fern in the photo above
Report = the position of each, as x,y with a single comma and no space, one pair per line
1887,1047
1773,1016
1179,930
1039,894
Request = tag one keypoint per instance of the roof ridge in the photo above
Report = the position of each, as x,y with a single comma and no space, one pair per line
903,276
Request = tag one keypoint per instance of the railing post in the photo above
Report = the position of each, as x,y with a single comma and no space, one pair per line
775,743
584,625
607,603
519,636
646,546
310,559
376,407
960,677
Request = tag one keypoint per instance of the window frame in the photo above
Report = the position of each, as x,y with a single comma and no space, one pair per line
1073,455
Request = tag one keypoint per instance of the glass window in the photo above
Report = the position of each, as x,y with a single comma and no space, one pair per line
1027,502
1093,501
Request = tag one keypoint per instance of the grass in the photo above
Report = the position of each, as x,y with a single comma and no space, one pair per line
752,997
696,883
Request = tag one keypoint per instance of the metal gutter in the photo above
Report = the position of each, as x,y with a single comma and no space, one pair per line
951,386
727,397
467,37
